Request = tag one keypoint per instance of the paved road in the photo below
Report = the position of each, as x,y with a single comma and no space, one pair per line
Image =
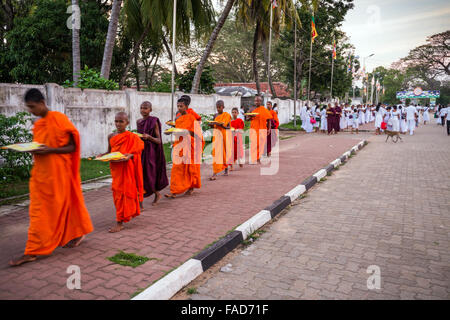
389,206
173,232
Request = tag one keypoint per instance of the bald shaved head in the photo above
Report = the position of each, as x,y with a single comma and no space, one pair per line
122,115
220,103
146,104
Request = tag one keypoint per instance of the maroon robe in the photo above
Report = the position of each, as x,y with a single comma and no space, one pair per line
331,118
153,159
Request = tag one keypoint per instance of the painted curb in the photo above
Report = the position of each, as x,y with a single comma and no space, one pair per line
169,285
165,288
278,206
254,223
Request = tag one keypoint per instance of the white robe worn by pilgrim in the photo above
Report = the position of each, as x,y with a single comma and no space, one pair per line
323,119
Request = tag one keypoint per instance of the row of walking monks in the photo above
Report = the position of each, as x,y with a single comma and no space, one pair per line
58,215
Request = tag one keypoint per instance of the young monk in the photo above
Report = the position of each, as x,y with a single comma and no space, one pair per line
259,129
187,100
274,123
153,159
187,154
238,145
58,215
127,178
221,140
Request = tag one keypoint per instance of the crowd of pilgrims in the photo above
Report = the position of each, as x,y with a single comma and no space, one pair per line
340,117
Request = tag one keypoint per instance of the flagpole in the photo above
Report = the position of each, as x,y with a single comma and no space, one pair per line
174,25
270,43
332,70
295,70
309,80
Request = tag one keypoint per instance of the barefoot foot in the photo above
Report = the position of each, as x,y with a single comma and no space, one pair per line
157,198
22,260
116,228
190,192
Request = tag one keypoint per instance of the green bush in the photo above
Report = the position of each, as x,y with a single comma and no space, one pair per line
91,79
16,165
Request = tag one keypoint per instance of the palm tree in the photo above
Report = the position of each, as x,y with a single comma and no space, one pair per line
257,12
152,19
210,45
76,44
110,39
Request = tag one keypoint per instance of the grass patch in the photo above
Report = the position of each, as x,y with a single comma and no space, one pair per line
252,237
129,259
138,291
285,138
322,180
89,169
290,126
303,195
329,173
191,290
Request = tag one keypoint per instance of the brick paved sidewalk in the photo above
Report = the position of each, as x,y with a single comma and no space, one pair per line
172,232
389,206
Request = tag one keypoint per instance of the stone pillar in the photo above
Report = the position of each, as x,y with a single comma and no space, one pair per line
55,97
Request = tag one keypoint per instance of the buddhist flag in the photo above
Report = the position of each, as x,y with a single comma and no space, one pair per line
334,49
274,4
313,29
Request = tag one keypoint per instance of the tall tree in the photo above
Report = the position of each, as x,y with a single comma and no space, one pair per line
257,12
144,20
76,15
110,39
210,45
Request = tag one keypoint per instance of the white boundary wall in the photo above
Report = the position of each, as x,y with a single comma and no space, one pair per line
92,111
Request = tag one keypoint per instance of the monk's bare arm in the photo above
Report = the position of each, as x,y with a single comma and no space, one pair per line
68,148
156,139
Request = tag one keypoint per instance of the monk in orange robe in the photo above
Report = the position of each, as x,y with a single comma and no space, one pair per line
222,141
238,145
186,154
127,174
58,215
187,101
259,129
189,110
274,123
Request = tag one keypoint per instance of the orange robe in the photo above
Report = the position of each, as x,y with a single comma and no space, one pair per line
191,111
222,143
275,119
57,210
187,156
196,116
258,139
127,176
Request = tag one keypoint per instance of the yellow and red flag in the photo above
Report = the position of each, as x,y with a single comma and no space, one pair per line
313,29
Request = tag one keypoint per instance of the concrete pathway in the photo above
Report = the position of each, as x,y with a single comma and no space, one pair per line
387,211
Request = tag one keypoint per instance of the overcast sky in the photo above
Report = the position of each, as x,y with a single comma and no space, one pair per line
391,28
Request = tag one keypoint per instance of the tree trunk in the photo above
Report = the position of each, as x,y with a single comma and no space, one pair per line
75,46
153,71
210,45
133,53
254,62
166,45
136,67
110,39
269,77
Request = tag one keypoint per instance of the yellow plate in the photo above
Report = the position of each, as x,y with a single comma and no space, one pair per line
138,134
111,156
251,114
170,123
24,147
